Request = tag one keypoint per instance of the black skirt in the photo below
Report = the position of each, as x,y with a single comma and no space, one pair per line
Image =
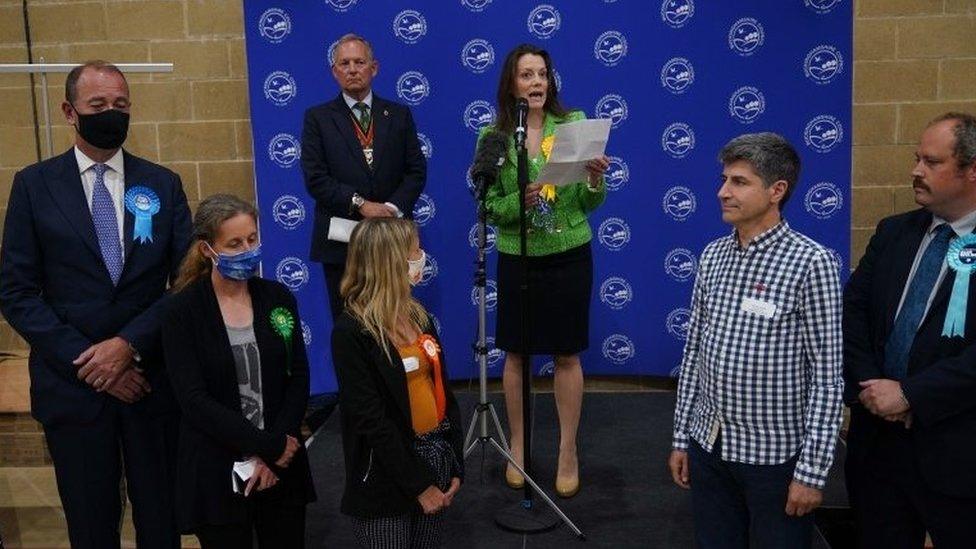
558,309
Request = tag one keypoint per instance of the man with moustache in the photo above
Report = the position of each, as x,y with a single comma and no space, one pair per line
90,240
759,397
910,357
360,155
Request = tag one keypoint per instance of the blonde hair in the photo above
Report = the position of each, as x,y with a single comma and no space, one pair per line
376,285
211,214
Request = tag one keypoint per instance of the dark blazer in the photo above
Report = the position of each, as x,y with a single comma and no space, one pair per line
57,293
213,430
941,380
335,167
383,474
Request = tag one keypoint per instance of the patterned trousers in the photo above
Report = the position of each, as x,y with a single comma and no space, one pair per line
414,530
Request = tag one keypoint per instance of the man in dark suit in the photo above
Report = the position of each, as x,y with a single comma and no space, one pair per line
910,356
360,155
90,240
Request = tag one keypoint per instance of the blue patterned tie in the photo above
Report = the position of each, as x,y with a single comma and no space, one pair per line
106,224
910,317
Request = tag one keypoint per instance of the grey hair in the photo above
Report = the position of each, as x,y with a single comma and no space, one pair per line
965,132
353,37
771,156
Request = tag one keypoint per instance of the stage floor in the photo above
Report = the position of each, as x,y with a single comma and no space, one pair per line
627,497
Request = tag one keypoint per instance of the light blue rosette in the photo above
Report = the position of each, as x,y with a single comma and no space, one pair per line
961,258
143,203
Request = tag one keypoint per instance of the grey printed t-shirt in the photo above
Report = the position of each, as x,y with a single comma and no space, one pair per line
247,359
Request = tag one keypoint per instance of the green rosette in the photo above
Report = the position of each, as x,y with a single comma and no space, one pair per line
283,323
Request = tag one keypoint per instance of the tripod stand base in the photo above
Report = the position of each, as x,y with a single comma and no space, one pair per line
520,519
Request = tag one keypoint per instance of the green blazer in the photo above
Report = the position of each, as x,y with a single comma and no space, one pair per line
573,202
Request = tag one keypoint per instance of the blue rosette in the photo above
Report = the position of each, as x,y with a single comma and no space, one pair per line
961,258
143,203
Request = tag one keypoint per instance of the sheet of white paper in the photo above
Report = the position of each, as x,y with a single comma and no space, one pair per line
340,229
575,144
243,470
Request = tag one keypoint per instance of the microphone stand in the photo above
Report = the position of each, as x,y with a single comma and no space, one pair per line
525,517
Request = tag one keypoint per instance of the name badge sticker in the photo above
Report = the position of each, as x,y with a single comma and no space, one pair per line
765,309
411,364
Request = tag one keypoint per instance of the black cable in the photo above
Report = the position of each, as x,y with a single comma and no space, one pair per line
30,59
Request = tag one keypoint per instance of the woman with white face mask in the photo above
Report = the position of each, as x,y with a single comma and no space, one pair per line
236,358
401,428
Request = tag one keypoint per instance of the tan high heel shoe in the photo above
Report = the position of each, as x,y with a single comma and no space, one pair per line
513,478
568,485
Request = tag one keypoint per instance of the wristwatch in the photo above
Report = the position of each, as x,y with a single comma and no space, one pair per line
357,201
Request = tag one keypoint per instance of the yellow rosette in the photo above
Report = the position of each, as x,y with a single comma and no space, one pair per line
548,191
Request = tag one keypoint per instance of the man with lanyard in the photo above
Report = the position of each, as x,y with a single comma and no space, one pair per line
360,156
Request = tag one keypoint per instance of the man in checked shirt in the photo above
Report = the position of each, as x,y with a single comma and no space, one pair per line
759,397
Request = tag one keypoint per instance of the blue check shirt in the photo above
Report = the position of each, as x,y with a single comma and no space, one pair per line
762,364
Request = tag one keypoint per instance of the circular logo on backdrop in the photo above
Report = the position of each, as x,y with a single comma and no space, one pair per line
823,200
274,25
678,139
495,355
557,79
746,36
547,370
341,5
330,53
288,211
491,235
612,106
680,264
746,104
280,88
284,150
679,202
491,295
413,87
677,74
614,233
821,6
424,210
430,271
617,174
477,55
544,21
823,63
616,292
618,348
475,5
306,334
610,47
478,114
823,133
676,13
292,272
425,145
676,371
409,26
678,323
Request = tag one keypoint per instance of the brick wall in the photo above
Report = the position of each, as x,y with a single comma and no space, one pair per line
912,60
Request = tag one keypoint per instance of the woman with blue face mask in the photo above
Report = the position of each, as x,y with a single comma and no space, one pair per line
236,358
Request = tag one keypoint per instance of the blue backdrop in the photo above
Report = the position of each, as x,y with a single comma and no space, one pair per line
678,78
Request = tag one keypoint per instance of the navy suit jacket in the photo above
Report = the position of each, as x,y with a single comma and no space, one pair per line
941,381
57,293
335,167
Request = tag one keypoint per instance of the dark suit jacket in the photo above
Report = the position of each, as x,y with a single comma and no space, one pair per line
213,431
383,474
941,380
335,166
56,291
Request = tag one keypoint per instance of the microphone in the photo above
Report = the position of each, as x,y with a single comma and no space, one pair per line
488,158
521,114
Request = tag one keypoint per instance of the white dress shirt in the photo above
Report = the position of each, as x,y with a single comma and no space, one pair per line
114,182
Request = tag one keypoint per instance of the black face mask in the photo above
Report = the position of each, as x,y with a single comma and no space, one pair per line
105,130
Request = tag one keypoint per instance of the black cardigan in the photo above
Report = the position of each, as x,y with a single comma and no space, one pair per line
383,474
213,431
